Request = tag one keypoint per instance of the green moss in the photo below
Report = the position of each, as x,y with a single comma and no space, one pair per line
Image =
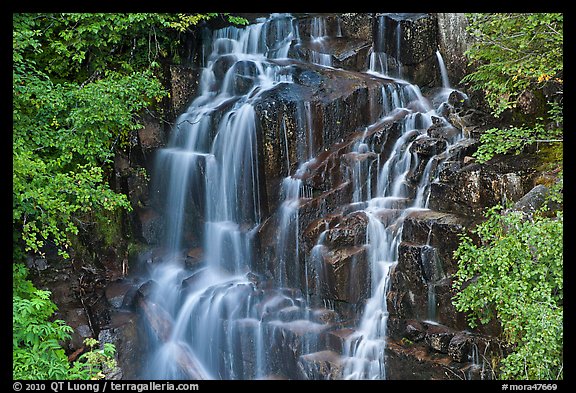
109,228
550,154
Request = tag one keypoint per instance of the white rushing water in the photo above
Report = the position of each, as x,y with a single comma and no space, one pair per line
208,179
365,349
218,158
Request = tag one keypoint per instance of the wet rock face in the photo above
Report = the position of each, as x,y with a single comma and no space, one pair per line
453,41
468,189
323,365
344,52
183,85
336,105
351,231
427,350
410,39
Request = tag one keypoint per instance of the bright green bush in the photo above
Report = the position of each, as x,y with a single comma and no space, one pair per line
80,82
36,338
515,274
513,53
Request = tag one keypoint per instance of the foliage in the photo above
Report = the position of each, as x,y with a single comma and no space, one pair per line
513,140
185,21
515,274
514,53
94,362
79,82
36,337
79,46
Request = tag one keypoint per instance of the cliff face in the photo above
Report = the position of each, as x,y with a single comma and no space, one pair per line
346,108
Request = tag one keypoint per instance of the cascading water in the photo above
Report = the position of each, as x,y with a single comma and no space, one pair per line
217,308
364,350
443,70
219,324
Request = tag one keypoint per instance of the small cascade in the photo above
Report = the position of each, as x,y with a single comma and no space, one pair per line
365,349
210,169
387,48
319,33
435,275
288,237
443,70
477,361
315,268
398,48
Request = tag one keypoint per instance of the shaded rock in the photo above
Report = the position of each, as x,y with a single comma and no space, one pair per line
416,362
415,331
438,337
121,165
116,292
347,275
130,342
336,339
151,225
151,136
137,188
532,200
351,231
458,100
529,103
36,263
323,365
183,85
408,294
459,347
469,189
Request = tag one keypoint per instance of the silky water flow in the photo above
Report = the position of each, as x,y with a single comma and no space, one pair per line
218,324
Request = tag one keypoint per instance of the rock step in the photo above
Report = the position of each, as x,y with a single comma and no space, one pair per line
430,227
322,365
336,339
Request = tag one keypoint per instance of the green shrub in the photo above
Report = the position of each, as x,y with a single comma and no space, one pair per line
515,275
37,338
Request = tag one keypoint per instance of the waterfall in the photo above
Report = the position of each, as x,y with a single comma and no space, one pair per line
365,349
222,320
318,33
211,166
443,70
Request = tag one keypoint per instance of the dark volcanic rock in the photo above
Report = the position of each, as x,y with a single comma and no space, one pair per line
323,365
467,190
351,231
